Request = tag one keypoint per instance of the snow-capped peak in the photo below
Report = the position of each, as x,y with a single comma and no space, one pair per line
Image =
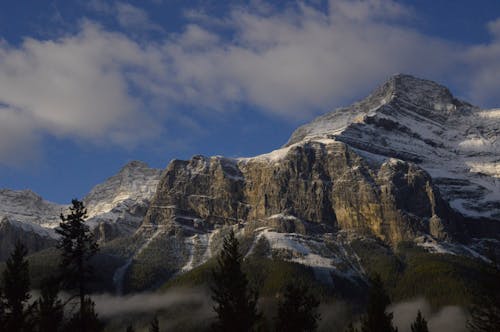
419,120
135,181
27,206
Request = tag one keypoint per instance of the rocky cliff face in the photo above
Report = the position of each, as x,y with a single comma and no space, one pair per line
390,165
420,121
321,184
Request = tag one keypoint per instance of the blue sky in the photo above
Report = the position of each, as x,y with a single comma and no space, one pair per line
86,86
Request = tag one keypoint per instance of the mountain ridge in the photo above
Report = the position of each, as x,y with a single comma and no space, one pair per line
396,166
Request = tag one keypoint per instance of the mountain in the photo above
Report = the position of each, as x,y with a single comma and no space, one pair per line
118,205
410,163
409,160
420,121
406,176
115,207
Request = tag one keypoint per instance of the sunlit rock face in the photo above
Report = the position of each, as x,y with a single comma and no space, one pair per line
408,160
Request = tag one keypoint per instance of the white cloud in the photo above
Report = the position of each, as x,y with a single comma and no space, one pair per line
18,138
102,86
300,61
77,87
129,16
483,68
362,10
494,28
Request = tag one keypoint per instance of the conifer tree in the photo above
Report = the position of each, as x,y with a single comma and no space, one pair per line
16,288
351,328
420,324
130,328
235,303
78,246
155,325
376,318
85,319
297,311
49,308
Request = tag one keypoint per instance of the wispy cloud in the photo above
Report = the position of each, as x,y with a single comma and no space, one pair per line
129,16
102,86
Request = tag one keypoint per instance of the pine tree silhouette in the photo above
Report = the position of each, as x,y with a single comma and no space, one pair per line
351,328
155,325
16,288
297,311
86,318
49,308
130,328
78,246
420,324
236,305
376,318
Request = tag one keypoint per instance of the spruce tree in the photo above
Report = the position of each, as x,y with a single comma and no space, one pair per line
376,318
49,308
297,311
351,328
78,246
16,288
86,318
420,324
155,325
235,304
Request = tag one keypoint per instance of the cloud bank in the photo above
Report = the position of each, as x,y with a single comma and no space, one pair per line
100,86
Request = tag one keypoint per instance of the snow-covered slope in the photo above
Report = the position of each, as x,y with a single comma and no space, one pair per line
124,197
135,181
27,206
115,207
421,121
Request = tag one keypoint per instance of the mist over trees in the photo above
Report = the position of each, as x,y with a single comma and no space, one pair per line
420,324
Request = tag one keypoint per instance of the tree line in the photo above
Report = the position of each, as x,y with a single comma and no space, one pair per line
235,302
